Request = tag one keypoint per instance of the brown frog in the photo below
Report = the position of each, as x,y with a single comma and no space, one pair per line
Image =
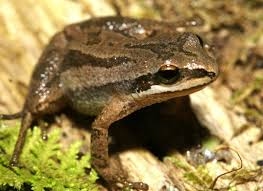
108,68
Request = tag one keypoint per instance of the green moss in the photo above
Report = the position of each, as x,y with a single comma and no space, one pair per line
43,165
244,93
198,177
202,177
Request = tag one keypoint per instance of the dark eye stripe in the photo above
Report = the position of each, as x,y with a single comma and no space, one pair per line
197,73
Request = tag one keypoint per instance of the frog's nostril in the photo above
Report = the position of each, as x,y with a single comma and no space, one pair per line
211,74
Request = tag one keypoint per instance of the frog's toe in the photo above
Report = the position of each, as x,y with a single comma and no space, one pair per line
123,184
138,186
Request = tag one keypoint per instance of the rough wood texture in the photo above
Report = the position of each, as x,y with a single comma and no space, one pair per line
26,27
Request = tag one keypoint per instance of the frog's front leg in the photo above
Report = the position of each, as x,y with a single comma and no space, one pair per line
118,108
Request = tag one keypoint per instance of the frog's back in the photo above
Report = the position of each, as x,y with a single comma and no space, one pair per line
106,57
97,65
47,93
89,62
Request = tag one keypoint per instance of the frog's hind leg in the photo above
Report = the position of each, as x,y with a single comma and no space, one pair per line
45,95
11,116
28,118
26,123
34,110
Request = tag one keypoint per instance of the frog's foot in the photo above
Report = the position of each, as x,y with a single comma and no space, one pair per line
123,184
119,182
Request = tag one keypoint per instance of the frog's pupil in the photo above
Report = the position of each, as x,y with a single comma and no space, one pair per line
168,76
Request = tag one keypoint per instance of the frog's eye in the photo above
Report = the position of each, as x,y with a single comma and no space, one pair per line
168,74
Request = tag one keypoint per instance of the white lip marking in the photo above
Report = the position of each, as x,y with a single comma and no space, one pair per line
157,89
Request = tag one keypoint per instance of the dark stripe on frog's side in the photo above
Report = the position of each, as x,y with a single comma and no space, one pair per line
91,100
90,76
75,58
94,94
86,69
79,78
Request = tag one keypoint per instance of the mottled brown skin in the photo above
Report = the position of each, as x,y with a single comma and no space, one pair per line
110,67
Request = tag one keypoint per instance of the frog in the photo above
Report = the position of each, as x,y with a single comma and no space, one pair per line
110,67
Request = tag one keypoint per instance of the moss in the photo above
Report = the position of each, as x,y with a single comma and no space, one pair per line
205,177
43,165
244,93
198,177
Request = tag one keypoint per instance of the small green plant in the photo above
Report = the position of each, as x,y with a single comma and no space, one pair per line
198,177
43,165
